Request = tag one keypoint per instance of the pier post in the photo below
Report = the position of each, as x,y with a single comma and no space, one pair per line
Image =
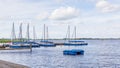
30,47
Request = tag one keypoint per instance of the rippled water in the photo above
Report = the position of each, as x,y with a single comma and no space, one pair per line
98,54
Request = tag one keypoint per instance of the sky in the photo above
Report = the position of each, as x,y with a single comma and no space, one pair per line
92,18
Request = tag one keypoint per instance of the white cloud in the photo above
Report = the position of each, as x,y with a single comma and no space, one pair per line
105,6
64,13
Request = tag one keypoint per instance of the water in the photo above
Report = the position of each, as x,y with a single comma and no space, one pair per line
98,54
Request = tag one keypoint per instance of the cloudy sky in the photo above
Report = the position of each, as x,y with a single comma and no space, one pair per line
93,18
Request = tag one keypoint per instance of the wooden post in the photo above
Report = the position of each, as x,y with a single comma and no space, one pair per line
30,47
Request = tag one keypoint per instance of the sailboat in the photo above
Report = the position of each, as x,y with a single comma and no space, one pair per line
19,44
45,42
28,42
74,42
31,42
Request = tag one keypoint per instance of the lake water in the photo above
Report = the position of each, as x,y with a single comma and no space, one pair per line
98,54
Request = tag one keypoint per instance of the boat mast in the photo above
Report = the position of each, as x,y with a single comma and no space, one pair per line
13,35
44,33
28,37
34,34
75,32
20,33
47,32
68,33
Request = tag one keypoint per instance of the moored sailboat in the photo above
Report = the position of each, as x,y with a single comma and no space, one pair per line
45,42
18,43
74,41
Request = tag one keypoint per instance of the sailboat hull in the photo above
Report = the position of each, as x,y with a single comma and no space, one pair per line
25,44
47,45
75,44
19,47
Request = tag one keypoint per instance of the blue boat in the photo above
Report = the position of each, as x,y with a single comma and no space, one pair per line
47,45
21,43
73,52
33,44
45,42
25,44
74,42
19,47
17,44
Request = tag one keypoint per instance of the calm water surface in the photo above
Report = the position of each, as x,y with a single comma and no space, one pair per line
98,54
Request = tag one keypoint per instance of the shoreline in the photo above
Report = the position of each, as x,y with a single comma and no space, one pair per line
7,64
